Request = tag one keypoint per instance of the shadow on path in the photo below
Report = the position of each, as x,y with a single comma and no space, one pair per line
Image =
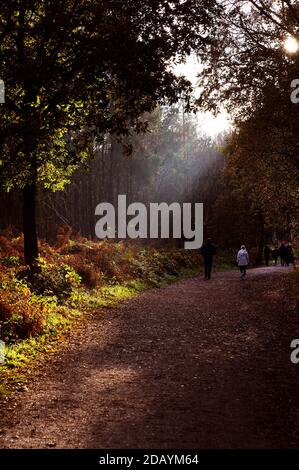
194,365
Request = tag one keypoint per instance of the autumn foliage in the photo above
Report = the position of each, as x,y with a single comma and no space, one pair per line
70,266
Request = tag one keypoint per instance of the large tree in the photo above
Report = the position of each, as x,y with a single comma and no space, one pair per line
249,71
248,55
74,69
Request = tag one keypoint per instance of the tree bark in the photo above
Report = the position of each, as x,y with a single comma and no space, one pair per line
29,224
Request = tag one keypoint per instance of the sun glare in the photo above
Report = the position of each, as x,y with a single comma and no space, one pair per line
291,45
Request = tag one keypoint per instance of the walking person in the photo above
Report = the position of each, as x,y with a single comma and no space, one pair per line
289,255
243,260
282,253
208,251
275,255
267,253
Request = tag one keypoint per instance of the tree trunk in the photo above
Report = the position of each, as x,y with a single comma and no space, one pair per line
29,224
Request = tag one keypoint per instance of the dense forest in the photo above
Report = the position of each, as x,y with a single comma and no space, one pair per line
170,161
235,175
93,106
161,154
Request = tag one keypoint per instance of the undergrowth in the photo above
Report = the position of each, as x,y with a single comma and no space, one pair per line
75,277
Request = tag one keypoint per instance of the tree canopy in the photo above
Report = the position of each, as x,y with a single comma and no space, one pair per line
75,69
249,71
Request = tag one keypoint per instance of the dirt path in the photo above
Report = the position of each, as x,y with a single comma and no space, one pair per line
194,365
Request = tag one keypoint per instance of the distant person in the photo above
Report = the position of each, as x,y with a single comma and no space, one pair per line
267,253
208,251
243,260
275,255
282,253
289,255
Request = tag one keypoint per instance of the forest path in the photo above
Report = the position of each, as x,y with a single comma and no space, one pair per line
193,365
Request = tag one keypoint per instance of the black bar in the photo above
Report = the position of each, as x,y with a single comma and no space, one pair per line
145,458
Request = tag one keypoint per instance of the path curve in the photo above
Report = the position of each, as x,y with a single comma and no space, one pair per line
193,365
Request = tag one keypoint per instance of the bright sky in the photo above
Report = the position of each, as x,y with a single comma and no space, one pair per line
208,123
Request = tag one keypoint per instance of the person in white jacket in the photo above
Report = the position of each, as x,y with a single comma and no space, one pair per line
243,260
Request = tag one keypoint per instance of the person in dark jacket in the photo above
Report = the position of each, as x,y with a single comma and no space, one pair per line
282,253
208,251
289,255
267,253
275,255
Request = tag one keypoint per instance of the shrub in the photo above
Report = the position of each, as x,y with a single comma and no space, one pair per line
10,261
63,236
108,258
89,273
54,280
20,315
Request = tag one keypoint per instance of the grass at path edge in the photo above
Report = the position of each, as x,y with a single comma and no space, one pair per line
23,357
